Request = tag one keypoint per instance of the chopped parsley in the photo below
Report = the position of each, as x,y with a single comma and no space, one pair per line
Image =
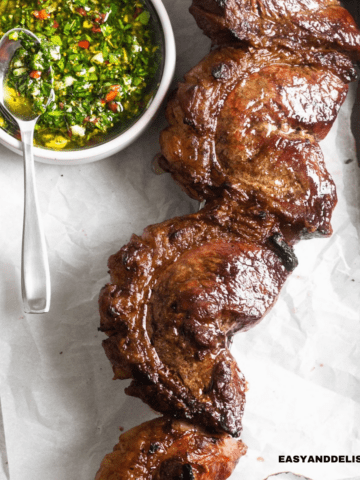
104,58
28,81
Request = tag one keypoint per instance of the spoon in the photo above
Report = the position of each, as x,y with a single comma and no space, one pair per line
35,273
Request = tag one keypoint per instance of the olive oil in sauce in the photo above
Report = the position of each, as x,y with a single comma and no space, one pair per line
104,57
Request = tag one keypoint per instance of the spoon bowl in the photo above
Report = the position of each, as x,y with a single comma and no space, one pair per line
35,273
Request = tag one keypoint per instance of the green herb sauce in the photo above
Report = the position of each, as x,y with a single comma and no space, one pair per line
104,59
28,82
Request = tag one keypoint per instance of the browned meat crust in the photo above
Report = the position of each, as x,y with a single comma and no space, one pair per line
243,135
165,449
248,122
286,23
177,293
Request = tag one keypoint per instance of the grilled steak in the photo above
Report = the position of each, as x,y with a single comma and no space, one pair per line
271,23
243,134
167,449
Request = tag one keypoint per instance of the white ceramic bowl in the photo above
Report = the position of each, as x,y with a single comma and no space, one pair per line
124,139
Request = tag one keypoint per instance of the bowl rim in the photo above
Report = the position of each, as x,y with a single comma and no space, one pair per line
124,139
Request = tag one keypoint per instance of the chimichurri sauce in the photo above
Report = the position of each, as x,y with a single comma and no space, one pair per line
104,58
28,81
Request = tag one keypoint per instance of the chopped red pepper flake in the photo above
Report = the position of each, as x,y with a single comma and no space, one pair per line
84,44
61,105
113,92
69,132
81,11
113,106
96,29
41,15
110,96
101,18
137,12
35,74
102,101
55,24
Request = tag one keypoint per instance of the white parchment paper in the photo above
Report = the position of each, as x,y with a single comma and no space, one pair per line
62,411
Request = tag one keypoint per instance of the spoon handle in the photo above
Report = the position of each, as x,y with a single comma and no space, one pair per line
35,273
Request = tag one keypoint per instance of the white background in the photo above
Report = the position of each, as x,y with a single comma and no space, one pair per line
61,409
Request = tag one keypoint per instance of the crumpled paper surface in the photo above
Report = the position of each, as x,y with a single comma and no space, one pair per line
62,411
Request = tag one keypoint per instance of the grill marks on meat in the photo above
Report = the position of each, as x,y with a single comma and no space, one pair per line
286,23
178,292
165,449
